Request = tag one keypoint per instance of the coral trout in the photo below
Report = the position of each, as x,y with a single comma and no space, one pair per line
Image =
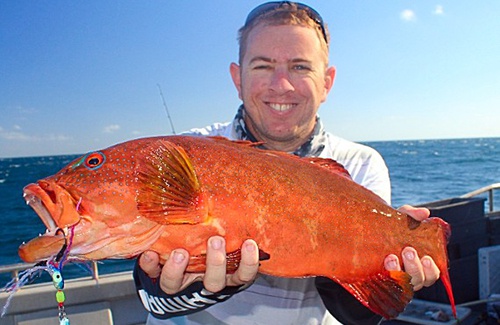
306,214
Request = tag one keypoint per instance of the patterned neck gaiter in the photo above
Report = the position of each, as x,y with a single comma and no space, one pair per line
311,148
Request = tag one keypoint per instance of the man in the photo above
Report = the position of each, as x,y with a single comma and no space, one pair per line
282,78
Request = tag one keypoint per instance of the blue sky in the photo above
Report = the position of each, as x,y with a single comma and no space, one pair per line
82,75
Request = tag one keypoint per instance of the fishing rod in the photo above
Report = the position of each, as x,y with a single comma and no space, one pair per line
166,109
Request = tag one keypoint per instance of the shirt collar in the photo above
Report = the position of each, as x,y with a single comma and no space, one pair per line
311,148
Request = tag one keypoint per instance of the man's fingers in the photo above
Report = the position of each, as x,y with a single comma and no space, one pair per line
249,264
416,213
149,262
391,263
413,267
423,272
215,274
431,271
172,274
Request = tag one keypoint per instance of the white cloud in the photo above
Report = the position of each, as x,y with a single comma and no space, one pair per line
57,137
438,10
135,132
408,15
16,127
111,128
17,135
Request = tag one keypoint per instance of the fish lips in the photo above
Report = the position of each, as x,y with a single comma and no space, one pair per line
57,209
41,248
53,204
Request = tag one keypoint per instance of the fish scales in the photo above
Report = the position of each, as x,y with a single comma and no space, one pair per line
306,214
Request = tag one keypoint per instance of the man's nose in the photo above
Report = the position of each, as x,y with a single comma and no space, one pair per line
281,82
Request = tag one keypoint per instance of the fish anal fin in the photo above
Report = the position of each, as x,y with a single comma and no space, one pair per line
170,192
386,293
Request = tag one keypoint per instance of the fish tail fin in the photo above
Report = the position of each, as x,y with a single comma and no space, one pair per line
445,278
443,263
386,293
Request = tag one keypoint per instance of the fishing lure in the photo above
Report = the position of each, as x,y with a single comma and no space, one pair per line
58,282
54,268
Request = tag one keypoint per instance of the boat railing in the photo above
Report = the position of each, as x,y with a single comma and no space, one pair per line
487,189
15,269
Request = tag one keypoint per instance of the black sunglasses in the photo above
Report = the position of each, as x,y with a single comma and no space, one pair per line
270,6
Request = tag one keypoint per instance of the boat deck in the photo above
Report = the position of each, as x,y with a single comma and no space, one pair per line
110,300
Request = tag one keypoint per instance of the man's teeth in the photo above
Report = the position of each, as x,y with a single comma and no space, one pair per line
281,107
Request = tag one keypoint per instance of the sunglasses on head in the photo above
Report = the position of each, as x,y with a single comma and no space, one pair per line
271,6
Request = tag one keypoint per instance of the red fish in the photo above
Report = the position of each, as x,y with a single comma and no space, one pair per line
306,214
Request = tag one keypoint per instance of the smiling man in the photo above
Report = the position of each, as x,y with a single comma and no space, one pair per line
282,77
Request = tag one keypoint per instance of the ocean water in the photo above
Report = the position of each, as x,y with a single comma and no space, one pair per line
421,171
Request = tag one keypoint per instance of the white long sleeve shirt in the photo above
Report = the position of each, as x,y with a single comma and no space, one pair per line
273,300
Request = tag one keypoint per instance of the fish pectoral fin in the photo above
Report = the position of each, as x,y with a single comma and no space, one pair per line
169,192
197,264
234,258
386,293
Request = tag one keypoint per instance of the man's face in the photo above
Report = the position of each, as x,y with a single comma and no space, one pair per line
282,80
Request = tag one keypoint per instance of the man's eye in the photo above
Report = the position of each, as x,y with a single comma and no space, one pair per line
301,67
262,67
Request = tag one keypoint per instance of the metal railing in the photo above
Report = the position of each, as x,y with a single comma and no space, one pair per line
490,189
15,269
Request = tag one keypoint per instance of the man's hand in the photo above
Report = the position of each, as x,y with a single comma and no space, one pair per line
173,277
423,271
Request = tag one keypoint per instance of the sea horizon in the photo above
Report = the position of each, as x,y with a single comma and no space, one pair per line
367,142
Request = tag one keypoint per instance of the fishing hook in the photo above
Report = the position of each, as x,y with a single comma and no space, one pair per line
64,247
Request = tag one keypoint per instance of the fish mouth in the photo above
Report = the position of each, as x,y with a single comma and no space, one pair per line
36,202
56,207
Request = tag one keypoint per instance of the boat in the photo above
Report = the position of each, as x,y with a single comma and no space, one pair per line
474,252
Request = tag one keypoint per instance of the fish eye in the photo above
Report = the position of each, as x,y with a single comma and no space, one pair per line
94,160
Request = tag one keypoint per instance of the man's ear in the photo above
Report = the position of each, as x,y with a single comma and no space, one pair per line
234,69
329,80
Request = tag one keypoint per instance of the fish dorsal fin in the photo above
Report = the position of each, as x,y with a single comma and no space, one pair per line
169,191
238,142
386,293
329,164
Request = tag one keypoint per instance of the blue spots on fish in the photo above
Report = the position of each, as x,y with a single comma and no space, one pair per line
90,171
